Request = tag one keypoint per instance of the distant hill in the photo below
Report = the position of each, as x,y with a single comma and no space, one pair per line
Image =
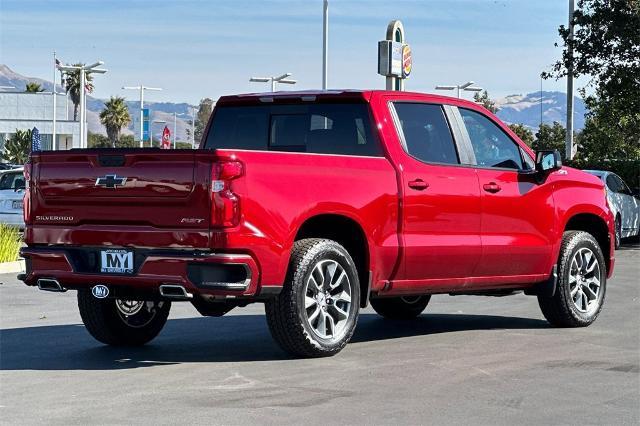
525,109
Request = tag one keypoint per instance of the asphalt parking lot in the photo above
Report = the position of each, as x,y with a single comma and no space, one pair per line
467,360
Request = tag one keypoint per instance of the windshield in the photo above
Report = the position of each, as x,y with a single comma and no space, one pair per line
11,180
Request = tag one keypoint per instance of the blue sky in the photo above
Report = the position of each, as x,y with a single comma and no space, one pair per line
197,48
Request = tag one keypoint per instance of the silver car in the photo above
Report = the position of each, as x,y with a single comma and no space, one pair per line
11,194
625,206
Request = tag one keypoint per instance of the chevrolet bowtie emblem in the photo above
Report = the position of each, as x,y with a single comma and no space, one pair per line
111,181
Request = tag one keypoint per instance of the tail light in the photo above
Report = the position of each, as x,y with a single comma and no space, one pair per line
26,200
225,204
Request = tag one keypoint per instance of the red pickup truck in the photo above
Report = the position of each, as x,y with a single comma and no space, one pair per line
316,204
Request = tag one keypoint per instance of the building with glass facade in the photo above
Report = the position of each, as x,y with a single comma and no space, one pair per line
22,110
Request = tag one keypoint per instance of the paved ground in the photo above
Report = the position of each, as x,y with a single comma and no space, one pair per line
467,361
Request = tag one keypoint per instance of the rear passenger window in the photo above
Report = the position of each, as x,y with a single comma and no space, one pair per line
318,128
426,132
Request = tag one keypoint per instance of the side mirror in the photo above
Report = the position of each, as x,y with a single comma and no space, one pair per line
548,160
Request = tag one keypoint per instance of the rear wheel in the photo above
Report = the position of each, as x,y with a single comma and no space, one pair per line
405,307
316,313
582,283
122,322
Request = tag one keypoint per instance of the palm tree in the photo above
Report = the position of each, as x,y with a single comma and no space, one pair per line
72,86
114,117
33,88
17,147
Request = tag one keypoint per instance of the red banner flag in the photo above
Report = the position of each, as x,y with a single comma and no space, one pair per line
166,138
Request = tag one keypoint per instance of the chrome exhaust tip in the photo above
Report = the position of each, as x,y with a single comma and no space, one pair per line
174,291
50,284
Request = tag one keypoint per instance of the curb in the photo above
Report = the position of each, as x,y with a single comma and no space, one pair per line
12,267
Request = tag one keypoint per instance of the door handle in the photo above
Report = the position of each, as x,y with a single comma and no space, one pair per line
491,187
418,184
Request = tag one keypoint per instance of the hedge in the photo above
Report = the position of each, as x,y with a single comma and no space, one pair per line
628,170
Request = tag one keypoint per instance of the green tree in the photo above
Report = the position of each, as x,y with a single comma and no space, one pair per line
127,141
17,147
606,47
183,145
523,132
114,117
202,118
483,99
72,87
96,140
33,88
550,137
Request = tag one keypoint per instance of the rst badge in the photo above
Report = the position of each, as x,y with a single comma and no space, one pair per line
116,261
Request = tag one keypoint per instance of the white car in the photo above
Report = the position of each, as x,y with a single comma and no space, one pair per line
11,195
625,206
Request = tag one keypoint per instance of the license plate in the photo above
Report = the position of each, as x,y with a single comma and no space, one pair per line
116,261
17,204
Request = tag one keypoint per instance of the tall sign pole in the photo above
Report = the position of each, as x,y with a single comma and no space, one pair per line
569,148
325,44
394,57
395,32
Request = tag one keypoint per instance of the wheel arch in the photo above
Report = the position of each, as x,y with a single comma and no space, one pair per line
350,234
596,226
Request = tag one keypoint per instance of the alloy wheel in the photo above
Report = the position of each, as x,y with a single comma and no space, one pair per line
327,300
584,281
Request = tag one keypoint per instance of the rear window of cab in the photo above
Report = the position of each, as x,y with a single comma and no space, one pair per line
343,129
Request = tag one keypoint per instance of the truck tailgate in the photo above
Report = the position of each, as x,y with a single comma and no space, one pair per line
148,190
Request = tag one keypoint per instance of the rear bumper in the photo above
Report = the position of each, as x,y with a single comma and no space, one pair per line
195,270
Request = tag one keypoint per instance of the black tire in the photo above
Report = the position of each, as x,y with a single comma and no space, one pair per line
618,231
400,308
107,324
560,309
290,322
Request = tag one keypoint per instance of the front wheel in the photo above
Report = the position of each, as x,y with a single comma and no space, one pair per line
402,308
122,322
317,310
582,283
618,235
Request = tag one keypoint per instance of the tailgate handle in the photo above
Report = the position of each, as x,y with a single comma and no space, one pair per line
111,160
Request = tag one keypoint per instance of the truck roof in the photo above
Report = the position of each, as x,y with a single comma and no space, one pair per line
332,95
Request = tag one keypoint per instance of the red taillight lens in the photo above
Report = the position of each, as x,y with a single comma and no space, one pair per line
27,173
26,200
225,204
229,170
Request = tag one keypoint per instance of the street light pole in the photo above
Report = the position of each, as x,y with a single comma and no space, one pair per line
273,80
325,44
193,128
141,88
468,87
53,94
175,119
84,70
569,135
